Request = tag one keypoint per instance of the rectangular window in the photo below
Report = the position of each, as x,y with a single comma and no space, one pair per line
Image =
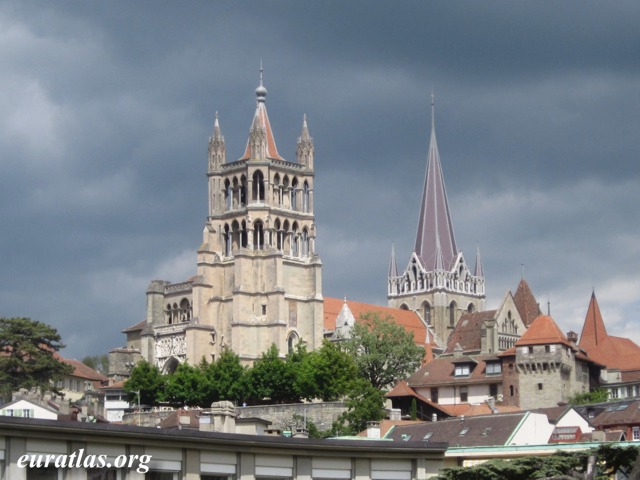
462,370
547,348
434,395
539,386
464,394
494,368
636,434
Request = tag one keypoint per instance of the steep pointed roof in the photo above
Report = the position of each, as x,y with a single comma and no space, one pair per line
594,332
261,121
435,235
614,352
393,266
526,303
543,330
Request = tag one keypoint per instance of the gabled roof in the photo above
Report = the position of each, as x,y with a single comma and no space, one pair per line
526,303
612,414
81,370
543,330
441,371
402,389
614,352
483,430
435,240
468,331
408,319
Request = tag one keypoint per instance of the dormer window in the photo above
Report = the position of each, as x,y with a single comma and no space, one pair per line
462,370
494,368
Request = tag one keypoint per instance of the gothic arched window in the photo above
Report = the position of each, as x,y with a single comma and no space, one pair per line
452,313
258,186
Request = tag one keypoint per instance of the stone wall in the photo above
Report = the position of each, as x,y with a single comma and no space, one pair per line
282,416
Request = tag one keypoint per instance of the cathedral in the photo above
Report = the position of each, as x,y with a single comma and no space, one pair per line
259,278
438,282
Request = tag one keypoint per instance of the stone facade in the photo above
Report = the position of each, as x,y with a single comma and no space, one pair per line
259,278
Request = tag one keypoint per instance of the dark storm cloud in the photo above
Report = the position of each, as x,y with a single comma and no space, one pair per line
108,106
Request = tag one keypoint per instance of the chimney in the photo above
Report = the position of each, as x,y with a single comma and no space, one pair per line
373,429
395,414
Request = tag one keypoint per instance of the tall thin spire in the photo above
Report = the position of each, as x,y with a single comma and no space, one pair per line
393,266
304,149
435,229
479,270
217,149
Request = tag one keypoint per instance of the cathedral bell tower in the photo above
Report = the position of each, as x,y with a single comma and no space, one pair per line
259,277
437,282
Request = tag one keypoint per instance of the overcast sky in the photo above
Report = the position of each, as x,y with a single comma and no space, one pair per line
106,109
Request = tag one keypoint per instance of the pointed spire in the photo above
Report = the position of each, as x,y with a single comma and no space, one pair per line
435,229
304,149
393,266
217,149
593,330
479,270
261,144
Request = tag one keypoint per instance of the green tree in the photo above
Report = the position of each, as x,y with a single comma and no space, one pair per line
365,403
226,379
186,386
271,377
27,359
146,379
384,351
100,363
597,396
325,373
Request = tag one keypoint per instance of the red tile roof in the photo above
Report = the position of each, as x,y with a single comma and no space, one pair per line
80,370
408,319
543,330
526,303
614,352
441,370
468,330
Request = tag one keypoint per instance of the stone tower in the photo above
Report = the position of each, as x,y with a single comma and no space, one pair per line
258,278
437,282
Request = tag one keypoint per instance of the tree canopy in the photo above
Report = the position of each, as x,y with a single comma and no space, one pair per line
27,359
384,352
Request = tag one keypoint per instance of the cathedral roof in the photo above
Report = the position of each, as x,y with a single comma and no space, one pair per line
526,303
614,352
406,318
261,121
468,331
543,330
435,240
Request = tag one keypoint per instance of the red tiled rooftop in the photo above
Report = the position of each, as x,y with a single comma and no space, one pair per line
543,330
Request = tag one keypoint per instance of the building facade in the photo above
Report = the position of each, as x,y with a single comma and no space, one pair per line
259,279
437,282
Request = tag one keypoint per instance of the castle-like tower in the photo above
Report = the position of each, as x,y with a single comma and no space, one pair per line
437,282
258,278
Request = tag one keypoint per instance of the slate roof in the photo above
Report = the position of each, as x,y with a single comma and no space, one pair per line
614,352
611,414
526,303
480,431
435,240
468,330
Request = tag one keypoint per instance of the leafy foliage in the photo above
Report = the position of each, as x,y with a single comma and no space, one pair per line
365,403
27,358
597,396
272,378
384,351
100,363
225,379
325,373
609,459
146,379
